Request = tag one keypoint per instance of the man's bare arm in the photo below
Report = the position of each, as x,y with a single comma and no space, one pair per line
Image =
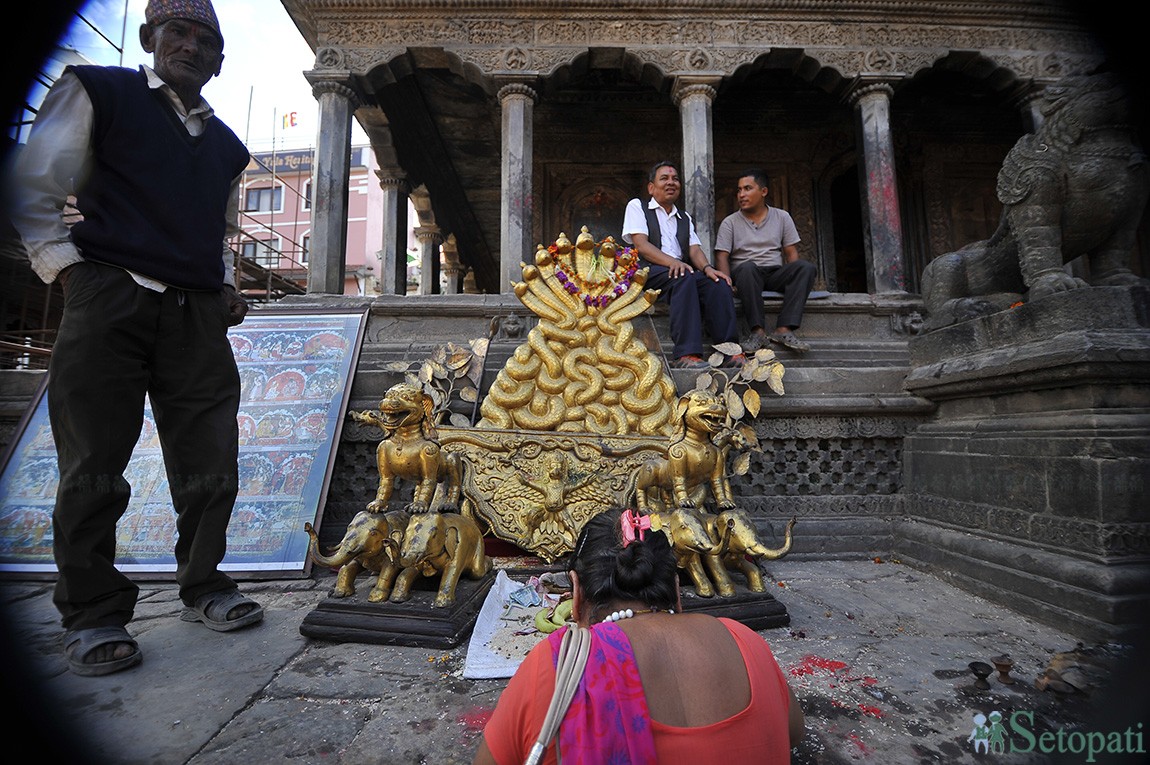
712,272
723,261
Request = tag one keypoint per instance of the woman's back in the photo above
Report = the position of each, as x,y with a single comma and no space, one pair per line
714,691
658,686
692,671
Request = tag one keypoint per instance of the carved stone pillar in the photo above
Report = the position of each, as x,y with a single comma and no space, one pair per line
518,104
452,268
882,221
429,238
694,100
469,286
327,260
393,255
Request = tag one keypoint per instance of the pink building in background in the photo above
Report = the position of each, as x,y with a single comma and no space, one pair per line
275,215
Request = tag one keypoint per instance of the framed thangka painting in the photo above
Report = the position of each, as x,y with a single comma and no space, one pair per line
296,368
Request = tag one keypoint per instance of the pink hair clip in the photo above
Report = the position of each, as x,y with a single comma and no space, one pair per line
633,525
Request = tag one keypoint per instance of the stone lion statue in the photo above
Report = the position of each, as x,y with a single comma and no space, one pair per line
1076,187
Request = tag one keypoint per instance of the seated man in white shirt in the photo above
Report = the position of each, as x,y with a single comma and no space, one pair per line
698,293
757,248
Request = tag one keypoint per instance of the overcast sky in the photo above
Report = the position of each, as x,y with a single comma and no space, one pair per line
261,82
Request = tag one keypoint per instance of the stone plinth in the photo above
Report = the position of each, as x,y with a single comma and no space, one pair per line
1029,483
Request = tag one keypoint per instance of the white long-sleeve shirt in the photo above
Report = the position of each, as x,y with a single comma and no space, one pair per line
635,222
56,160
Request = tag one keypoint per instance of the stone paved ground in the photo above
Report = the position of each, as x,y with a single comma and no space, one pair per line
876,652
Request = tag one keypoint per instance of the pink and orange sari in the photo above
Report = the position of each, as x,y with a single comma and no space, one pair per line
608,720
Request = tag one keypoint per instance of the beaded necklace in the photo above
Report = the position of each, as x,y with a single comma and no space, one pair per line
627,613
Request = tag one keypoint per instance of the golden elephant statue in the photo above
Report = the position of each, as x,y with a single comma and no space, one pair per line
737,548
448,544
370,543
689,541
410,450
695,461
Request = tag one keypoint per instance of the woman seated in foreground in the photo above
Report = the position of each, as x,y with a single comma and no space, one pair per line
660,685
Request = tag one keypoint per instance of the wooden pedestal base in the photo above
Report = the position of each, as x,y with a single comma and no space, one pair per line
414,623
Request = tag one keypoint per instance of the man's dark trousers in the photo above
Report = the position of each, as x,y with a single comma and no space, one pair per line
794,280
117,342
695,299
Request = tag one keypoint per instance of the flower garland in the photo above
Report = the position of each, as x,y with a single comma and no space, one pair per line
577,286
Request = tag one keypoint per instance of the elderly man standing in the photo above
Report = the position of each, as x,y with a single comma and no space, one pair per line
697,292
149,295
756,248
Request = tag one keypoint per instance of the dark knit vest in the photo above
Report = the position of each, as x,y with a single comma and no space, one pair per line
682,233
156,198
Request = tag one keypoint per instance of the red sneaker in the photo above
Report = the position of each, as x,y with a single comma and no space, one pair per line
690,361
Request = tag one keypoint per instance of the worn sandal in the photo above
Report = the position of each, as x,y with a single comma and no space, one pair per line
789,340
213,608
754,341
79,644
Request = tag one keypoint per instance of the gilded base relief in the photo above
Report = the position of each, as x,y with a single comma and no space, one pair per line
537,489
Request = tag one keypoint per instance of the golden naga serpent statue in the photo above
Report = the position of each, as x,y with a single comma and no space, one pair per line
581,417
582,369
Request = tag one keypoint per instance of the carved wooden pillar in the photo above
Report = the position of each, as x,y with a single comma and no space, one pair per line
327,259
882,221
429,238
518,103
393,254
452,268
694,100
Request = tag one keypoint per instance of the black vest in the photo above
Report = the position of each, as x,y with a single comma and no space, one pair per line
682,233
156,198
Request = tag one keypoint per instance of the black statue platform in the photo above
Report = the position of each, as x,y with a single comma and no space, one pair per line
414,623
757,610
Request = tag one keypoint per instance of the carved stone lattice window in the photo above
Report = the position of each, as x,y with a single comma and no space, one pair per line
824,466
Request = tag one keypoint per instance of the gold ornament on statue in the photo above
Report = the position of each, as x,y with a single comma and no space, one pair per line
582,369
582,416
537,490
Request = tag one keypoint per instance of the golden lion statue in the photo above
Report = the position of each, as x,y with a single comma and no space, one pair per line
410,450
695,461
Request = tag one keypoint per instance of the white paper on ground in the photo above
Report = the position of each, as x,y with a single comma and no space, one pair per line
495,650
